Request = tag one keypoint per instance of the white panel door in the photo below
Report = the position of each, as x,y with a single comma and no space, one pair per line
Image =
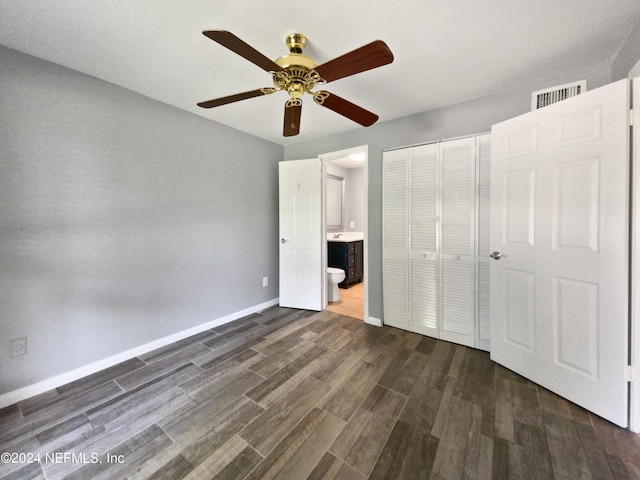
560,214
301,234
458,241
395,234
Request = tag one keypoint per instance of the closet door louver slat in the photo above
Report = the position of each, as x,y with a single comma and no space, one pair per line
395,230
458,301
458,192
424,205
458,241
424,197
424,295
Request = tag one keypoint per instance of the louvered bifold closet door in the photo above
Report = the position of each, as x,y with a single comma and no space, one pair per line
395,234
423,208
483,153
458,241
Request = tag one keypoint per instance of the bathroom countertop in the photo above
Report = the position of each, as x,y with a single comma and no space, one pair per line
345,236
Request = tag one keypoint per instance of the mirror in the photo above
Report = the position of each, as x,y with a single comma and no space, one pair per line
335,202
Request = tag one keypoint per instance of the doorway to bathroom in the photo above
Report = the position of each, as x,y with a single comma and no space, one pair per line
345,229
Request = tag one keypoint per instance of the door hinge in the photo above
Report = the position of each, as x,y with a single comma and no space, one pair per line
631,117
633,375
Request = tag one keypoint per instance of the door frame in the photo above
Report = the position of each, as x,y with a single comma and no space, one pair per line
634,268
324,158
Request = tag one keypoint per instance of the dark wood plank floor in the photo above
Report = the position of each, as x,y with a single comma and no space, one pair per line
295,394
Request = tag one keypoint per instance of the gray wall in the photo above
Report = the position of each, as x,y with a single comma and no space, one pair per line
122,220
467,118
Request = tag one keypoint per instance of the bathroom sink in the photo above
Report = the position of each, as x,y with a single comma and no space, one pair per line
345,236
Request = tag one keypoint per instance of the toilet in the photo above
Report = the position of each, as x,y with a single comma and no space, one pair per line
334,277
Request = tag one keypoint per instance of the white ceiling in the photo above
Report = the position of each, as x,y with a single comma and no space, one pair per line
446,52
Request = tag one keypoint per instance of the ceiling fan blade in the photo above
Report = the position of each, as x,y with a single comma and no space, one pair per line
233,43
345,108
292,113
372,55
236,98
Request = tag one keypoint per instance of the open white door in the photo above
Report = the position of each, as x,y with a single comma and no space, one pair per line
560,229
301,234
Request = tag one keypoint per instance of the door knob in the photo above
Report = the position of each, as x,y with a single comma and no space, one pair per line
283,240
497,255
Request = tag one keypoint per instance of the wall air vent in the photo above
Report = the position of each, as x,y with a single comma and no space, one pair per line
542,98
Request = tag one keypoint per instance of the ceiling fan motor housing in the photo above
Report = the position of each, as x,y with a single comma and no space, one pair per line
296,43
298,76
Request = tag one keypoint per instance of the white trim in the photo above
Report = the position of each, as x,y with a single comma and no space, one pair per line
29,391
323,230
634,320
365,248
324,157
376,322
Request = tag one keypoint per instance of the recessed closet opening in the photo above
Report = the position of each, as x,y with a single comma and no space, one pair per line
435,239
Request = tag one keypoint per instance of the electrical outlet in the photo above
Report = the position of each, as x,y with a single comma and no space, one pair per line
18,346
265,281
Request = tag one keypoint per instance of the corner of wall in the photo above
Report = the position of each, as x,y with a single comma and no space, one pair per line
628,58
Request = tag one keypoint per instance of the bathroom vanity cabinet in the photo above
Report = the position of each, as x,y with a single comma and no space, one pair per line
349,257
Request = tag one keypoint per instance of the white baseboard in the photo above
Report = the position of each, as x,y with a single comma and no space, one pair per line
29,391
376,322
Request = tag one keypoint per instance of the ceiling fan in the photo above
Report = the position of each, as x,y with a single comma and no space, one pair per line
297,74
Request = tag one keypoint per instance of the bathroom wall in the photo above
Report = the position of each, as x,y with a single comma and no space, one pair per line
355,200
354,196
122,220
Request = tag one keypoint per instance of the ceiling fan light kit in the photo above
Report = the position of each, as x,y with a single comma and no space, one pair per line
297,74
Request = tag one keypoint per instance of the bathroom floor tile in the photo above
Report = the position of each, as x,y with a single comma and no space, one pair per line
351,302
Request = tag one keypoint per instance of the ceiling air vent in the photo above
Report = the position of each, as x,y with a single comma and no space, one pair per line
542,98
